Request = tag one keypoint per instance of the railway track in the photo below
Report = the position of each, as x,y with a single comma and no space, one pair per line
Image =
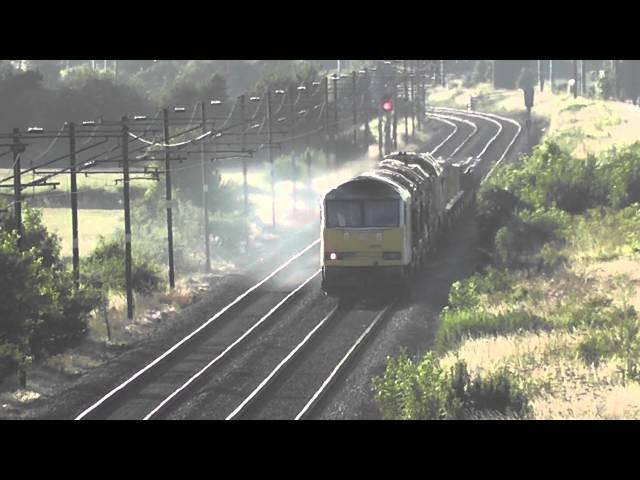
445,148
153,387
301,380
311,351
507,127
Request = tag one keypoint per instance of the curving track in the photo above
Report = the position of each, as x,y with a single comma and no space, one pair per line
306,341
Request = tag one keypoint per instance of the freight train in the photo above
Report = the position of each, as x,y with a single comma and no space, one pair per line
378,228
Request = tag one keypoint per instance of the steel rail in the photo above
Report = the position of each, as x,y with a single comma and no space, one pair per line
171,350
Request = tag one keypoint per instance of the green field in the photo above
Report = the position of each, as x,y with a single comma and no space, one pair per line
593,126
91,224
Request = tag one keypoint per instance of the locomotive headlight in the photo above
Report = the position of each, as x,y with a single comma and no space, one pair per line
333,256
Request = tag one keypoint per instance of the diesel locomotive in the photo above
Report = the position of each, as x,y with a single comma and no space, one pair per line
378,228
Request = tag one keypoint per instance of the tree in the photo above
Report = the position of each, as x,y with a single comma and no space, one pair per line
50,70
526,79
214,89
482,71
193,88
105,270
22,96
45,314
306,72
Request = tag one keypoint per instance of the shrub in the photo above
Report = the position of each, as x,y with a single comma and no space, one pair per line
593,236
45,314
105,268
474,291
497,392
622,168
620,338
496,206
407,391
427,391
64,324
519,243
551,257
10,358
551,176
231,231
594,348
592,312
226,221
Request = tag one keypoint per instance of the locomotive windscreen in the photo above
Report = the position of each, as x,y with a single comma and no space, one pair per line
362,213
381,213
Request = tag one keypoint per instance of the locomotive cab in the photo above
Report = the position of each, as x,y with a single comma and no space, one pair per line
378,228
364,240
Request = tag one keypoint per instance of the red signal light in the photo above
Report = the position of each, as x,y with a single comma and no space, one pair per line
387,106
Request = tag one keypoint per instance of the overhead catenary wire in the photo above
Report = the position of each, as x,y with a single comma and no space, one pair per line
314,119
66,155
53,142
171,145
282,104
307,115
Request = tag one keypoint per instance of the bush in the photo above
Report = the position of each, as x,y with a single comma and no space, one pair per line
495,207
594,348
226,222
474,291
497,392
414,392
620,338
45,313
551,176
105,268
594,235
551,258
64,324
427,391
592,312
231,232
520,241
21,280
622,168
10,358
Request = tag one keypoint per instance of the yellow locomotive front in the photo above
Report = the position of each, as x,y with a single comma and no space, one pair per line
365,240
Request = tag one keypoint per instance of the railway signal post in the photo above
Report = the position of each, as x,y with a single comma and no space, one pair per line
395,120
387,107
575,79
